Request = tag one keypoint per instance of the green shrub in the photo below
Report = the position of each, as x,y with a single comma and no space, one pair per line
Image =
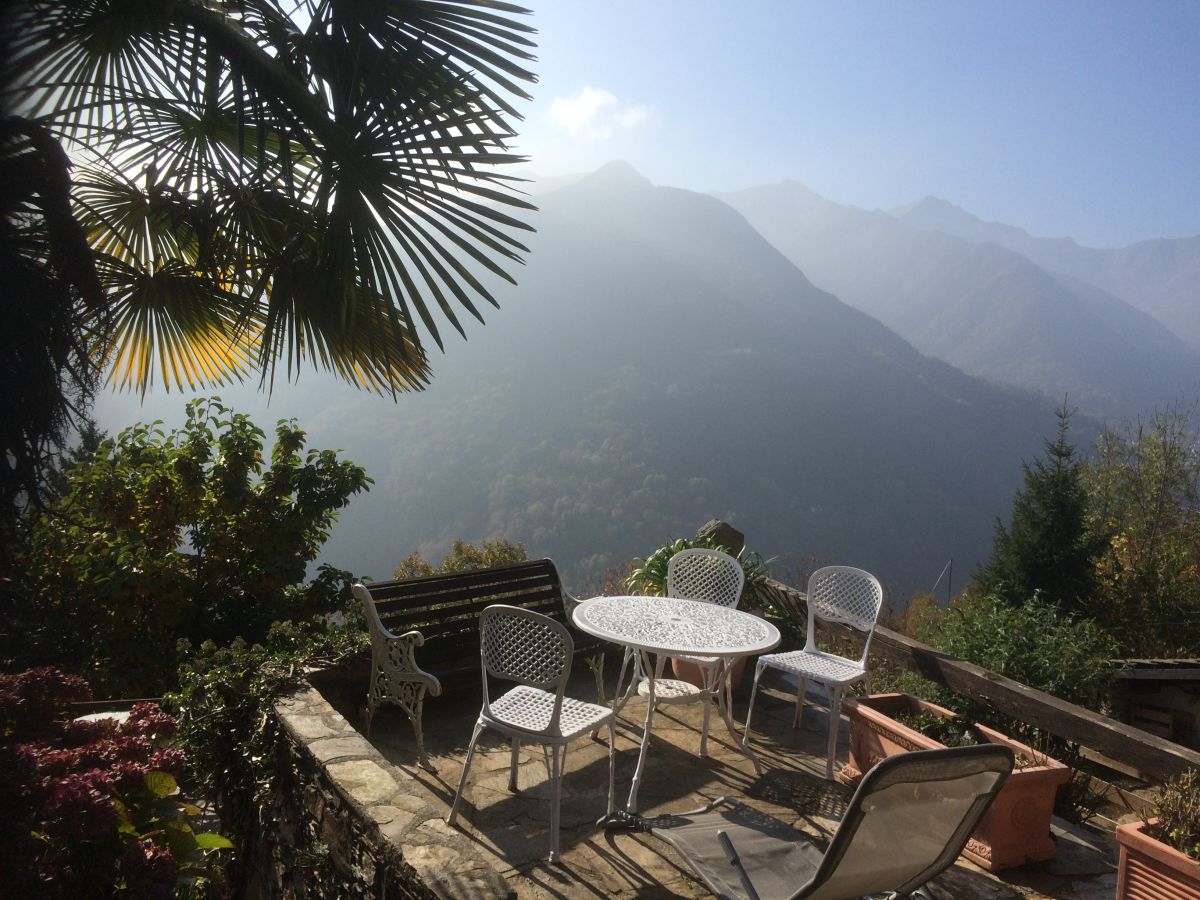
1144,494
1040,646
464,557
1177,806
1033,643
224,707
182,535
649,576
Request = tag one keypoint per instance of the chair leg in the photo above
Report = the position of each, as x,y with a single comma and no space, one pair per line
801,691
370,712
596,663
758,670
512,766
835,721
462,781
660,665
710,677
557,755
612,746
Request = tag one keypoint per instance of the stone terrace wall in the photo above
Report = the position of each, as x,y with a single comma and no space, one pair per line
343,825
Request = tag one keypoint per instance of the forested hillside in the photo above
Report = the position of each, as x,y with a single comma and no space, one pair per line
661,363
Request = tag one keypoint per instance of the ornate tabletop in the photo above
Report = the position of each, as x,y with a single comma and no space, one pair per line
675,627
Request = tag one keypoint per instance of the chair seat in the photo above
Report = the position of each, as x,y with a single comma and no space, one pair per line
529,709
781,858
669,690
825,667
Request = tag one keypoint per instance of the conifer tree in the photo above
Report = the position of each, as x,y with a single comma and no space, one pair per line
1047,546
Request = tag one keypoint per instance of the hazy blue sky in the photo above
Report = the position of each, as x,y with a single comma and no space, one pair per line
1066,118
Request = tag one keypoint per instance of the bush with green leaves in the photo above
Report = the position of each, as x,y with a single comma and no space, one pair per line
1177,808
1144,494
1033,643
1038,645
649,576
189,535
234,739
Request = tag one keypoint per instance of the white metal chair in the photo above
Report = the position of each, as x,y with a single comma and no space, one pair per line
714,577
835,594
536,652
907,822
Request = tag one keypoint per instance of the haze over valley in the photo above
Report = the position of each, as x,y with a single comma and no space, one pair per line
661,362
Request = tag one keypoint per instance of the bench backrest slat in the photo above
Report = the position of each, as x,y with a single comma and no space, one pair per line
402,615
414,589
443,603
445,608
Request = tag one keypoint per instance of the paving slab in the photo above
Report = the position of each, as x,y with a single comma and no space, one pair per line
499,845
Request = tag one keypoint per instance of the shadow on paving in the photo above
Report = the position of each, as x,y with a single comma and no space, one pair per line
511,830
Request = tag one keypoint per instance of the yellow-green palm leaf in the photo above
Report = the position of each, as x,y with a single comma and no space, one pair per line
266,182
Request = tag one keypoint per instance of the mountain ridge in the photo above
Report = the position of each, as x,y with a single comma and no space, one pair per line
660,363
981,307
1160,276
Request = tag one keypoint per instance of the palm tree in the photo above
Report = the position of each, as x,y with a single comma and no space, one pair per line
199,190
266,181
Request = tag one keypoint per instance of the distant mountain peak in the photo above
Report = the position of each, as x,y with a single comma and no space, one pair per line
616,175
930,203
935,214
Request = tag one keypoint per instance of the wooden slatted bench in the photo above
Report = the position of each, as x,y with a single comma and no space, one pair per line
439,614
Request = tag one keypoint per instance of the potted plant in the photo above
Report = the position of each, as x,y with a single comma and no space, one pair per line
1160,857
1016,830
649,578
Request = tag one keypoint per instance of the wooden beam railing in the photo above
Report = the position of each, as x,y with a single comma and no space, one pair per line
1154,757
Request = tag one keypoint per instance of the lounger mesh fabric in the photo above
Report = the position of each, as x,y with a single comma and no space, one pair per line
908,820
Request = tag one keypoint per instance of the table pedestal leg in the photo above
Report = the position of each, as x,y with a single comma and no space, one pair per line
631,805
725,704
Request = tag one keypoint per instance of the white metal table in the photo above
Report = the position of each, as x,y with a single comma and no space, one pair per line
675,627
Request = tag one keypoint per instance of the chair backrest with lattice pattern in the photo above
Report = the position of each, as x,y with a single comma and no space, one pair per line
844,594
526,647
708,575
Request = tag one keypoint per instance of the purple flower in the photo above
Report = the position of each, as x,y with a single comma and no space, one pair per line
173,761
129,777
149,721
79,806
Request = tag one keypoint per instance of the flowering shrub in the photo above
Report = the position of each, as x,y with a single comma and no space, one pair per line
92,808
197,534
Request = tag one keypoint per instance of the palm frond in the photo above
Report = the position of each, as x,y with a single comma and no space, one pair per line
277,182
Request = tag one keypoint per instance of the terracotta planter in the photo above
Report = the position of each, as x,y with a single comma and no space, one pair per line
1016,829
1149,868
690,672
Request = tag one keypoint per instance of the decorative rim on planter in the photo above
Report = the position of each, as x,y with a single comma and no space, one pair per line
1150,868
1016,830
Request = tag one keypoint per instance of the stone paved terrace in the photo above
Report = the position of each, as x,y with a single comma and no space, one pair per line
500,846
